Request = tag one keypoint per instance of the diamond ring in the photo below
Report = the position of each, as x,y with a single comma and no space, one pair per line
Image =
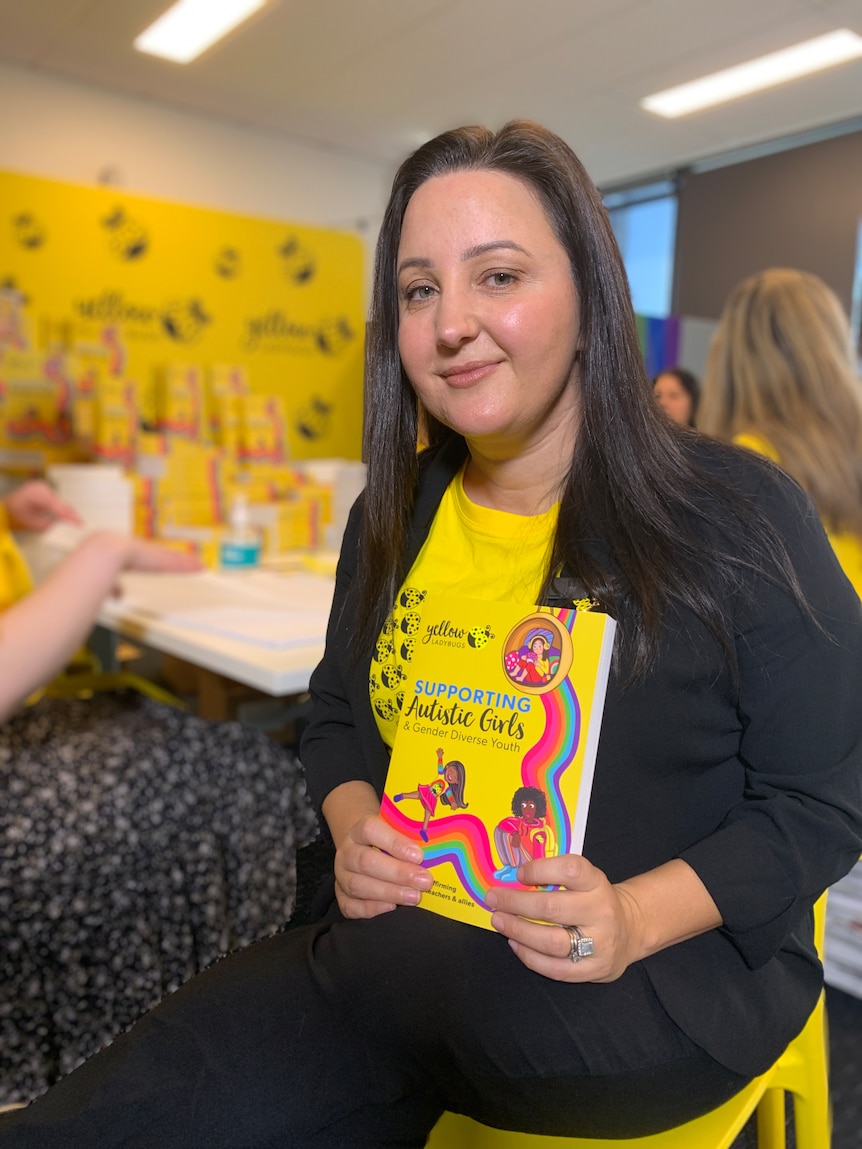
581,945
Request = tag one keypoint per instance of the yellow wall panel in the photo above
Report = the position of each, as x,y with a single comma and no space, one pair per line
184,284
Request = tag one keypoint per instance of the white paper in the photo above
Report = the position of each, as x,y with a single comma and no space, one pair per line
258,607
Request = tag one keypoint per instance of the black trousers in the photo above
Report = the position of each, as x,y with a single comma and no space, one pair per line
360,1033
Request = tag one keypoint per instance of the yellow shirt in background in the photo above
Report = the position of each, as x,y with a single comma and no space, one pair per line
15,580
847,547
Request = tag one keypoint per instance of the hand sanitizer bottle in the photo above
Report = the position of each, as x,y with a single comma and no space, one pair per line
241,546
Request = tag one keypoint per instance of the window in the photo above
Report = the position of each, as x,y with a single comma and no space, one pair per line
856,305
644,222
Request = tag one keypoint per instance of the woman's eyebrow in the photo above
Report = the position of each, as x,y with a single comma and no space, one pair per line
414,261
470,253
494,245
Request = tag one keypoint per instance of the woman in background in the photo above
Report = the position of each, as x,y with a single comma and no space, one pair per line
677,392
781,381
137,842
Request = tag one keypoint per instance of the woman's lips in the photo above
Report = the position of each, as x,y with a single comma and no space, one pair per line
467,374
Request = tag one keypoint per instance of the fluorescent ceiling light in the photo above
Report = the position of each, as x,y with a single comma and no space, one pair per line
754,75
189,27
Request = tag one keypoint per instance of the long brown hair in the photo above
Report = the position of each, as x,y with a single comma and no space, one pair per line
781,367
631,483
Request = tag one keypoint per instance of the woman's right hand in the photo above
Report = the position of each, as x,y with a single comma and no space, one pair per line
377,869
144,555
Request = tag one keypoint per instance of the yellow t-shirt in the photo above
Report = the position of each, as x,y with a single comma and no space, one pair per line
470,552
847,547
15,580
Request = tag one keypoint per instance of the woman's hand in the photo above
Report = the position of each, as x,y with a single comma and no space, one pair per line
377,869
626,922
35,505
600,910
144,555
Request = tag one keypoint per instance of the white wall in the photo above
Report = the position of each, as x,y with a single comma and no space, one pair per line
69,131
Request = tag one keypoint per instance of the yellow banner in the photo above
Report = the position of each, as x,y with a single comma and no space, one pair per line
168,283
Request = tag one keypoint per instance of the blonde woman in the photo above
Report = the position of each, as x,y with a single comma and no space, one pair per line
781,380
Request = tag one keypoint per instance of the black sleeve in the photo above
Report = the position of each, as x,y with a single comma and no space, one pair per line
799,826
331,750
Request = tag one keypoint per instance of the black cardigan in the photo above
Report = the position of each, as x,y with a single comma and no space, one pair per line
755,782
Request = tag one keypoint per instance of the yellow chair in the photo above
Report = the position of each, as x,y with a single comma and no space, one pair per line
83,677
801,1071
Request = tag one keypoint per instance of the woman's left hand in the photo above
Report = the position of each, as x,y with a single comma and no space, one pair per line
531,919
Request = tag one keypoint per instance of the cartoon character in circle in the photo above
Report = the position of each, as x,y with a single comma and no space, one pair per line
533,663
447,787
524,836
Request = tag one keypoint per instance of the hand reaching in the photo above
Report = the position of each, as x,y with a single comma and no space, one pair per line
34,506
144,555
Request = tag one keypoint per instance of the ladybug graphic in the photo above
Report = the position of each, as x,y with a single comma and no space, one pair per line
393,675
299,265
478,636
384,648
29,232
333,335
127,238
410,622
313,421
228,263
411,597
184,320
408,648
386,708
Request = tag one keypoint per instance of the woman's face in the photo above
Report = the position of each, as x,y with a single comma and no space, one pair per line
673,398
488,328
528,809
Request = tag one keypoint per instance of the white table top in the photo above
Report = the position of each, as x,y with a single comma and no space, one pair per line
262,629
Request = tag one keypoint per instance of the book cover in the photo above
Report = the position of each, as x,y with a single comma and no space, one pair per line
496,746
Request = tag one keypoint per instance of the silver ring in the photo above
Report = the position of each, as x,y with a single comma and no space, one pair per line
581,945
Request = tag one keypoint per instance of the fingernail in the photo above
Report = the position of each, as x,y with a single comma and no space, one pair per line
414,854
491,900
423,882
411,897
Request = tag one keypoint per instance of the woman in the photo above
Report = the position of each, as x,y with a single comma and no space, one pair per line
137,843
677,392
781,380
730,746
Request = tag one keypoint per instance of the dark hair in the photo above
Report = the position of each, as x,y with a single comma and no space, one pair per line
687,380
630,484
457,787
533,794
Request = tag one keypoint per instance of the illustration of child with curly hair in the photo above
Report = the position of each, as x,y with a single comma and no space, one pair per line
524,836
447,787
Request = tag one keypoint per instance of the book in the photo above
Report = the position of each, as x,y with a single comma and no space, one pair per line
498,732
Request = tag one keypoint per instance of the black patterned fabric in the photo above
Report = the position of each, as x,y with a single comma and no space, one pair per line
137,844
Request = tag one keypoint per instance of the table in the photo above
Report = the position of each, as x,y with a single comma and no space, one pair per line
263,628
213,620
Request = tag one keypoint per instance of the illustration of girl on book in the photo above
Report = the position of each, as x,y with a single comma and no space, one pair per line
524,836
447,787
534,663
